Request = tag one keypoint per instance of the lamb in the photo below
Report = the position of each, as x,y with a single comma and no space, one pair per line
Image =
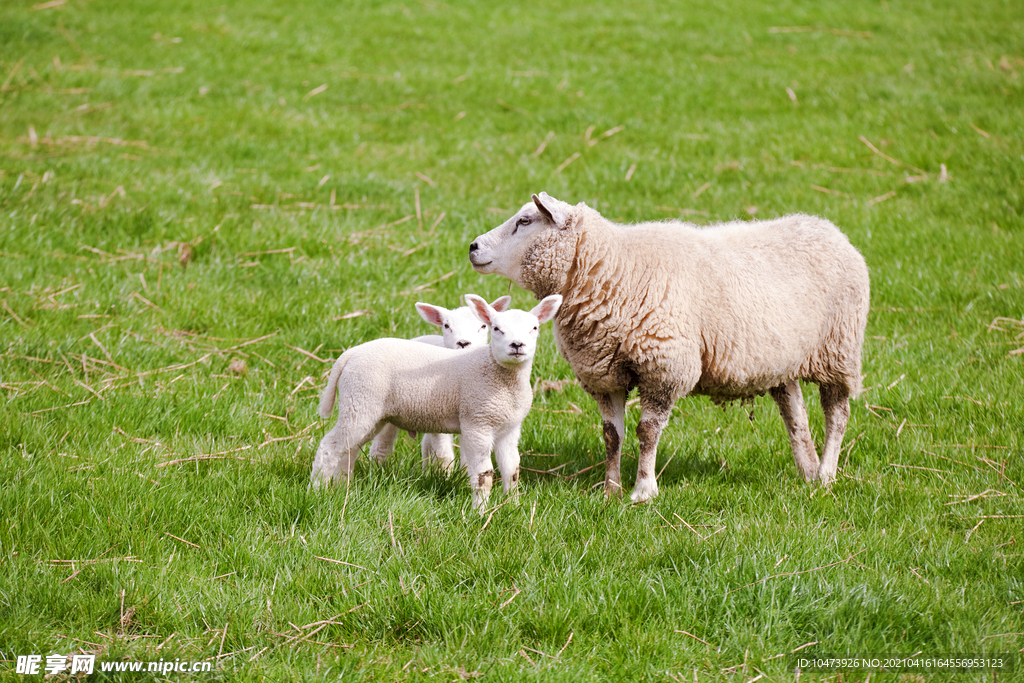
460,329
483,393
729,311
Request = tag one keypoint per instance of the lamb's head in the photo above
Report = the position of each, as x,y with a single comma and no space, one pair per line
514,333
460,327
534,248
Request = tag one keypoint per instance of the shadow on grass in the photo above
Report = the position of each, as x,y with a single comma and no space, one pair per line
698,464
708,465
439,485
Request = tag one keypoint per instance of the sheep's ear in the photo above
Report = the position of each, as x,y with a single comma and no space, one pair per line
501,304
546,309
480,309
549,206
432,314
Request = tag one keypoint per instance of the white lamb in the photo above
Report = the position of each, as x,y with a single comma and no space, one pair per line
461,330
483,394
730,311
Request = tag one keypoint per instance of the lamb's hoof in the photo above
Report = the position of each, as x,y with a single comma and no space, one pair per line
480,503
825,478
644,491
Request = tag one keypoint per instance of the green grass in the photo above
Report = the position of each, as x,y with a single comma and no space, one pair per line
138,137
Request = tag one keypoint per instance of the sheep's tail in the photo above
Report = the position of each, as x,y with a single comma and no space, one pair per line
331,390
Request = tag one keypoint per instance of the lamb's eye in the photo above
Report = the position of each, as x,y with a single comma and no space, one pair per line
446,326
483,327
497,329
524,220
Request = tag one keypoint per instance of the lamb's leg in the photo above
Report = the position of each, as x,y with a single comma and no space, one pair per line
506,452
791,404
384,443
613,414
476,448
438,448
336,456
835,402
656,407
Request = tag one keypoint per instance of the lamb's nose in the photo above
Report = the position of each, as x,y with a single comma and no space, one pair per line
516,346
473,247
463,344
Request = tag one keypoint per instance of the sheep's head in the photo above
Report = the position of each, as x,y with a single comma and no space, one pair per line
514,333
460,328
534,248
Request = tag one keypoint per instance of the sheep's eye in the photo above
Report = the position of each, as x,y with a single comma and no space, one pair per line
498,330
523,220
446,326
483,327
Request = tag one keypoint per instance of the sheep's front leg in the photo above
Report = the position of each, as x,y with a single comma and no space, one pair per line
791,404
506,452
656,407
613,414
835,402
476,449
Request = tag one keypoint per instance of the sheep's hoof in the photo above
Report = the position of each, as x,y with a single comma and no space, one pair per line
644,491
480,502
826,478
612,489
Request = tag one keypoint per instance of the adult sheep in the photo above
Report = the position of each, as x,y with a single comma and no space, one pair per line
730,311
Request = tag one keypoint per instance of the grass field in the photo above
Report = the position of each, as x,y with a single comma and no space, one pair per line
200,207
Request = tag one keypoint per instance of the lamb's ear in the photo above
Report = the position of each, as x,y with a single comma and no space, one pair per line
480,309
432,314
501,304
550,207
546,309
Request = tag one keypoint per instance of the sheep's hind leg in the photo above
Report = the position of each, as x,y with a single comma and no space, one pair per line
384,443
336,456
335,459
835,402
794,414
613,414
656,407
438,448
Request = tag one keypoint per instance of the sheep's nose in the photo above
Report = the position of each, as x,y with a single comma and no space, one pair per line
473,247
463,344
516,346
